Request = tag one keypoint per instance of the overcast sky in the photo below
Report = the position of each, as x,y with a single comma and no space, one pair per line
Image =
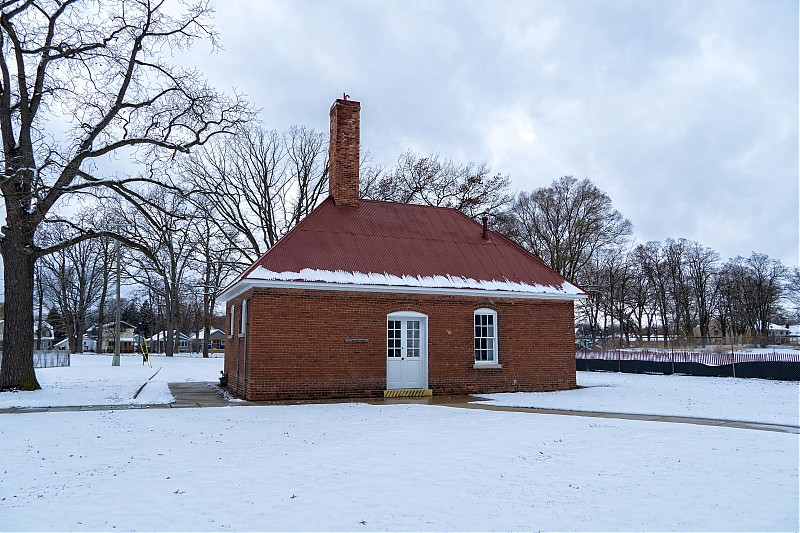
685,113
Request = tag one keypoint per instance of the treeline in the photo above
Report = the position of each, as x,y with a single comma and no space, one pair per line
674,288
232,199
680,289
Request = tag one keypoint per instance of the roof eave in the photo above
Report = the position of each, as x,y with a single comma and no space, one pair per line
243,285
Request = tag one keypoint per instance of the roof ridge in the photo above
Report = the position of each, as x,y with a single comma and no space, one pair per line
423,206
329,230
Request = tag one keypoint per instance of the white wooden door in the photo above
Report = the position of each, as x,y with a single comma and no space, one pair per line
406,357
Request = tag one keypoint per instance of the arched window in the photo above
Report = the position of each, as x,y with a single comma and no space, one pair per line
486,337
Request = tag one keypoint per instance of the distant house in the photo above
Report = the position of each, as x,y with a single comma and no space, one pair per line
47,338
127,341
776,330
89,344
216,342
780,334
714,329
188,342
156,343
371,298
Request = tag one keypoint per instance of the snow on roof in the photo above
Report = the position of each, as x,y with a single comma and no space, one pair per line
402,245
161,335
201,334
457,282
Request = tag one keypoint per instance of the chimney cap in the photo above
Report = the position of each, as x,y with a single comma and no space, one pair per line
343,102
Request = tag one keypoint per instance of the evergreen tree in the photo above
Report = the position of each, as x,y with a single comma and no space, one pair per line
55,319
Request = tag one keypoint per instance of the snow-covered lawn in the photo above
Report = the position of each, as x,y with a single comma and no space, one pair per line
91,380
360,467
352,466
751,400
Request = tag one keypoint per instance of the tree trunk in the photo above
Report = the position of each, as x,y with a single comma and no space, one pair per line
40,301
101,311
169,336
101,314
16,369
208,306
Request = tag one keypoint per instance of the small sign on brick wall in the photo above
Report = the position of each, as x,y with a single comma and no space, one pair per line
356,341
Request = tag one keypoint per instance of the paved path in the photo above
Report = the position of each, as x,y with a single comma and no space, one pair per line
208,394
189,394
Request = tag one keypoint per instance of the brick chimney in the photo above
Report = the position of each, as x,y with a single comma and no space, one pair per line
344,152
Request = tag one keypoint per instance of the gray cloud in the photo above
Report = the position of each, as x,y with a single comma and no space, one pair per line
686,113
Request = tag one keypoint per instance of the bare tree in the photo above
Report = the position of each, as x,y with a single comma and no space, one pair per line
750,291
431,180
567,223
732,291
702,264
106,259
72,281
260,183
675,256
215,260
591,308
164,233
654,267
102,69
641,296
793,292
765,283
615,272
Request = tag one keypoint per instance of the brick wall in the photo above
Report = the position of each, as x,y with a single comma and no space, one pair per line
344,152
296,349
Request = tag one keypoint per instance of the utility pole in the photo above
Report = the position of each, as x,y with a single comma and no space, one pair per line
115,359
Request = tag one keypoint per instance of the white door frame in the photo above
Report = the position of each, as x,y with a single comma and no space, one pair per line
423,319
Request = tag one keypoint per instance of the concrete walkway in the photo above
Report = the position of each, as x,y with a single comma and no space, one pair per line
189,394
208,394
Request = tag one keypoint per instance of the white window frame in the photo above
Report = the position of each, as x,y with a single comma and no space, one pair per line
494,339
243,319
232,325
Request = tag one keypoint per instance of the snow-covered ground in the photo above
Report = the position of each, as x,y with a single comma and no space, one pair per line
353,466
91,380
751,400
397,467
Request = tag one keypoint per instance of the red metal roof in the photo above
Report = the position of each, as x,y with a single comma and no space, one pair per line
402,239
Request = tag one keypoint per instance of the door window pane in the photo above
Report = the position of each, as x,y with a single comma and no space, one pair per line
412,338
393,338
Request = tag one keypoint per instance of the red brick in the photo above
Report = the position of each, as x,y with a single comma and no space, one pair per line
295,344
345,141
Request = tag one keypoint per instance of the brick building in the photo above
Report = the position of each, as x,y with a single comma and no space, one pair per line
366,298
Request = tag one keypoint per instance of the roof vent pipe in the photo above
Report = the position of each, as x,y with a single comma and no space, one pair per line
486,228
